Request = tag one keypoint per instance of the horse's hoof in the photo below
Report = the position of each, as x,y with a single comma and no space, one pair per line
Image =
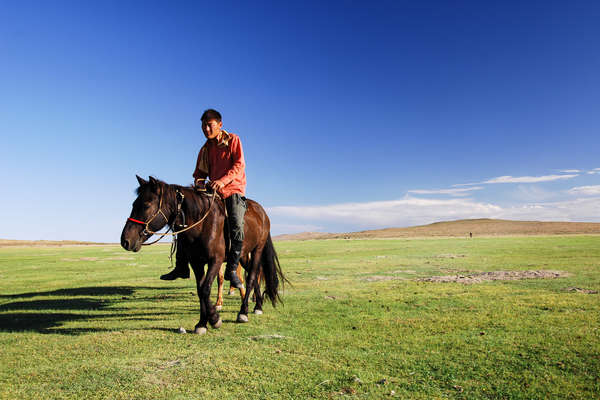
242,318
200,330
258,312
217,324
218,308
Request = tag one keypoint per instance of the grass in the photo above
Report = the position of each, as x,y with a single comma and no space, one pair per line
95,322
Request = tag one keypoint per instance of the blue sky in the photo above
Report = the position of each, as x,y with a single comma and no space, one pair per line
353,115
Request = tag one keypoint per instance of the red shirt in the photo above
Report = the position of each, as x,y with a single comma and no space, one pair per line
223,161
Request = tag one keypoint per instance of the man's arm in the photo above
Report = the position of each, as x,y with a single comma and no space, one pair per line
237,169
202,169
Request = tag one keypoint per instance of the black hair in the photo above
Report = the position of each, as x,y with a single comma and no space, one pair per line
211,114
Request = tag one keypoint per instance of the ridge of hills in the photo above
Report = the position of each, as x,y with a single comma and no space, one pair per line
461,228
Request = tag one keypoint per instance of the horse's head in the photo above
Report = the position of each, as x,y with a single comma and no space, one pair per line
147,214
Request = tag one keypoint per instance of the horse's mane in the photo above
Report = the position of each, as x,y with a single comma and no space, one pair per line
201,200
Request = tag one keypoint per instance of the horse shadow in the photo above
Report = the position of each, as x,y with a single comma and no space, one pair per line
82,291
77,304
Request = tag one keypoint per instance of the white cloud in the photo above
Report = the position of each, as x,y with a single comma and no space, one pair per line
585,190
465,184
294,228
594,171
451,192
521,179
583,210
411,211
528,179
531,193
404,212
570,171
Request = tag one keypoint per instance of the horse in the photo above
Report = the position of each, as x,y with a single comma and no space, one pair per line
159,204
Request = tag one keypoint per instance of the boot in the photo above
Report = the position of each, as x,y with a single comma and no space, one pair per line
181,269
176,273
233,259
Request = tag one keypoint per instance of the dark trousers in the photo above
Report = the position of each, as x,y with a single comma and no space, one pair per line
236,209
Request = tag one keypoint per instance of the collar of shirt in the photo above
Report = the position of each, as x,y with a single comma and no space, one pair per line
224,140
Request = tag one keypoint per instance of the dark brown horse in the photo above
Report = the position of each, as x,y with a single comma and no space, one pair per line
159,204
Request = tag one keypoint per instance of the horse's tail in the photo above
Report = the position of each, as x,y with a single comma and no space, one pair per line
272,272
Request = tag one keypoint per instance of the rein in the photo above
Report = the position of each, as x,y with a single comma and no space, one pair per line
180,198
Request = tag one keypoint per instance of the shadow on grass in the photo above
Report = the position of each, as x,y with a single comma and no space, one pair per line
87,291
41,316
55,304
51,322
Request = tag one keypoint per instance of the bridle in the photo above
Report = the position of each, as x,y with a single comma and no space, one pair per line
180,197
146,230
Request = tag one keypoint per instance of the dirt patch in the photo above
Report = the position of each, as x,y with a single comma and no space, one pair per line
80,259
268,337
580,290
170,364
378,278
497,276
450,256
457,270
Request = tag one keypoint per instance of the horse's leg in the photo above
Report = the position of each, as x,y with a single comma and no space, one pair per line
220,280
252,276
198,269
221,277
258,298
260,277
240,273
208,313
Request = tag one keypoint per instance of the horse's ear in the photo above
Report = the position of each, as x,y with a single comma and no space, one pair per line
154,183
141,181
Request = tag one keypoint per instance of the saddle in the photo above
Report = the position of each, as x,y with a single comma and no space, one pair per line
201,187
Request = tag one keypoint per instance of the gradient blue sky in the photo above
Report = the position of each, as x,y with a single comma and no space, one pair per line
353,115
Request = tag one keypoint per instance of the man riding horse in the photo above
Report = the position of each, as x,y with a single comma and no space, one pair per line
222,160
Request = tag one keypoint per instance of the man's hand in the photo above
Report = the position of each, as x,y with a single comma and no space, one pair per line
199,184
216,185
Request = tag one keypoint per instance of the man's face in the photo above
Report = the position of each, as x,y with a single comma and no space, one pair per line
212,128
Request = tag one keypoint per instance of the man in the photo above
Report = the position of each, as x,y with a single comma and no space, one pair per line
222,160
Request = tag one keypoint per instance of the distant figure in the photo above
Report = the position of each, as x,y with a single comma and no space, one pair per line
470,234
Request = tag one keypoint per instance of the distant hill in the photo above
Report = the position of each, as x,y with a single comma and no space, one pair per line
11,243
461,228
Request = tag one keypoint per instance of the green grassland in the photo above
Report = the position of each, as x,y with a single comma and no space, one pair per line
96,322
